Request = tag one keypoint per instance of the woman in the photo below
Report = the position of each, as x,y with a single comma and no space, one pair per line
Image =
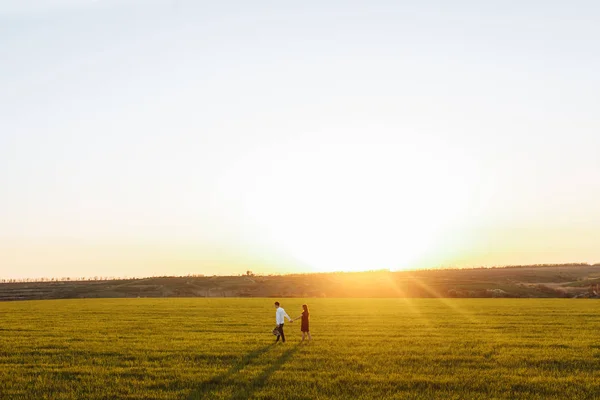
304,325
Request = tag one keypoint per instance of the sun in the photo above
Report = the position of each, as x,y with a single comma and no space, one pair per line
352,208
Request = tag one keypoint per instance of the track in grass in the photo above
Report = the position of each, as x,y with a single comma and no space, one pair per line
362,349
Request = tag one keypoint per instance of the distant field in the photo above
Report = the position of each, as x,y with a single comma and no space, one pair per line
362,349
545,281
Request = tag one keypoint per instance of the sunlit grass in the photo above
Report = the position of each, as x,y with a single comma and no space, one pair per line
362,349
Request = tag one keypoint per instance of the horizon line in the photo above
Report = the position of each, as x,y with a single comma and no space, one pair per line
250,273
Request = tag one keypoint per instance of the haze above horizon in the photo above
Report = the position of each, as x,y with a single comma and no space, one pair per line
142,138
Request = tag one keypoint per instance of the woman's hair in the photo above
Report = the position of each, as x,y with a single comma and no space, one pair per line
305,307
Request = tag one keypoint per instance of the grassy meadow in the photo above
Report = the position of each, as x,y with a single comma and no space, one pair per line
362,349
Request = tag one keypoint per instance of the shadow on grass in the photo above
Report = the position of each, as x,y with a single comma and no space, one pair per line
246,391
223,380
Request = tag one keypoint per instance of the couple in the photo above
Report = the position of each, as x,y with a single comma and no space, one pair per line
280,314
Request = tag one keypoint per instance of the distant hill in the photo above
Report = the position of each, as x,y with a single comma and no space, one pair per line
572,280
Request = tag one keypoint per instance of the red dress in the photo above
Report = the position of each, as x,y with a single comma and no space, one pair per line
304,326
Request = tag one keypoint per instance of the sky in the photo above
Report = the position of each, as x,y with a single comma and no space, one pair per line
177,137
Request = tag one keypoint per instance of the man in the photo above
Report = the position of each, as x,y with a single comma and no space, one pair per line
279,319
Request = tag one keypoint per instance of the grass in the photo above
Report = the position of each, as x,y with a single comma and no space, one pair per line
362,349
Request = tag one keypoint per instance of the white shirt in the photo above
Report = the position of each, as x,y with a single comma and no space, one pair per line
279,314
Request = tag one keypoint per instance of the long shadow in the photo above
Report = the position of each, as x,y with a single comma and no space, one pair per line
216,381
248,390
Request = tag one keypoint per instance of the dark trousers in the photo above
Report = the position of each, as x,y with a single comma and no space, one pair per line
280,329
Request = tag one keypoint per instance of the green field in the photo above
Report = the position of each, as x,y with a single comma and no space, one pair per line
362,349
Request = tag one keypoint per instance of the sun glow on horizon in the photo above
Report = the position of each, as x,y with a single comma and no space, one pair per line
352,206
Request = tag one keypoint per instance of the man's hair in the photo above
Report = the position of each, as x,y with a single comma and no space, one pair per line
276,303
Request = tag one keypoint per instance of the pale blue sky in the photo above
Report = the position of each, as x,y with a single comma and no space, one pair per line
151,137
